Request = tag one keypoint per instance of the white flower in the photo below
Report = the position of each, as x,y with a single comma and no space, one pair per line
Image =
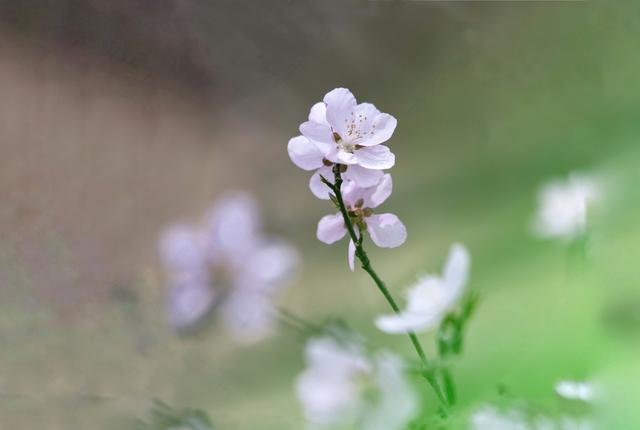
342,386
432,297
490,418
228,250
563,206
576,390
341,131
386,230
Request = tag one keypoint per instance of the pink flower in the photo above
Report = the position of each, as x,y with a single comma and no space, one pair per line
386,230
341,131
226,264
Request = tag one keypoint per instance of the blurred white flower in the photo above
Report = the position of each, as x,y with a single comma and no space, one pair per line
490,418
572,423
432,296
576,390
342,386
563,206
386,230
227,250
341,131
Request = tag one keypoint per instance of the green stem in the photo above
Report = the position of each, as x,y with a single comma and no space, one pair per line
367,267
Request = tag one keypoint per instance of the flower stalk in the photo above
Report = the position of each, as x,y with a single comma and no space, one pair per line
357,238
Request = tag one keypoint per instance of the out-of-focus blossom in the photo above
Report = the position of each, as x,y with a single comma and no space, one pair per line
340,130
386,230
343,387
573,423
576,390
225,262
490,418
563,206
432,297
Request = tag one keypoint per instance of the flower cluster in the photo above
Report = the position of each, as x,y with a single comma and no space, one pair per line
429,300
344,387
226,263
343,134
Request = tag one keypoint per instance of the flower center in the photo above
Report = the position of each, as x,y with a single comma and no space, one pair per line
358,214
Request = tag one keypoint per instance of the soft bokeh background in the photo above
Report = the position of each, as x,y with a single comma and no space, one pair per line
118,118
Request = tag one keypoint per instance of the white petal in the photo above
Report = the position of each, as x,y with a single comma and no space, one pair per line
381,130
249,316
396,402
351,255
332,154
361,176
331,228
340,105
426,305
304,153
344,157
318,113
380,193
375,157
403,322
188,303
386,230
575,390
181,248
456,271
233,227
351,192
319,188
271,265
328,387
317,132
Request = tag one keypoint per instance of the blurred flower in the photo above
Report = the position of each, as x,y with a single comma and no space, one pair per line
341,131
432,297
575,390
490,418
572,423
563,206
342,386
227,248
386,230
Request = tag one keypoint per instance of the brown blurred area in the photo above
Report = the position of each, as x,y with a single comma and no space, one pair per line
119,117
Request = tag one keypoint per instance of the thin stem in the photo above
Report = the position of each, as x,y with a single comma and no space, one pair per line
367,267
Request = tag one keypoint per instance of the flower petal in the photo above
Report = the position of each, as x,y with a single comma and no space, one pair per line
386,230
456,271
403,322
233,227
317,132
249,316
305,153
351,255
181,249
361,176
319,188
382,128
340,104
380,193
318,113
188,303
331,228
375,157
271,265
